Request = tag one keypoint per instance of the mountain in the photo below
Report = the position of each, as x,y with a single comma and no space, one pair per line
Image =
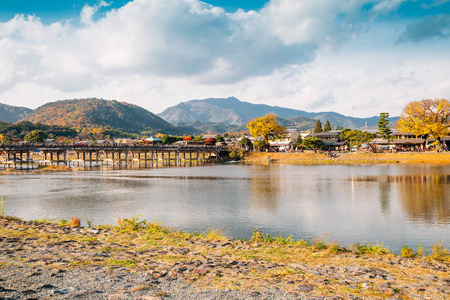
236,112
12,114
94,113
302,123
207,127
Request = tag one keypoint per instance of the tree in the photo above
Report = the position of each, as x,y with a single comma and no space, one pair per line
318,127
35,136
246,144
167,139
298,142
327,127
5,139
266,127
426,117
384,131
312,142
358,138
260,145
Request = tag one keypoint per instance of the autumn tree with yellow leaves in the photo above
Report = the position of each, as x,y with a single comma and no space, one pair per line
266,127
426,117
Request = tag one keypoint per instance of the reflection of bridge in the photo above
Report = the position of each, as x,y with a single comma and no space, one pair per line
148,155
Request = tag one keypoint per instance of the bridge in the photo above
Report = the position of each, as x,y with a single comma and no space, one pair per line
142,154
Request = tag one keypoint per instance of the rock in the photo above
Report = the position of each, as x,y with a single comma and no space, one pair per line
2,289
46,286
306,288
62,291
365,286
93,231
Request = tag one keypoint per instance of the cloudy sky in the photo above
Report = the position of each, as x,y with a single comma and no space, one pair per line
355,57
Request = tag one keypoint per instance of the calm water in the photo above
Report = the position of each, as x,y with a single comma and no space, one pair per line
393,204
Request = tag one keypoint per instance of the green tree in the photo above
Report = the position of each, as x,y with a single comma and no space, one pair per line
246,144
260,145
167,139
298,142
220,139
327,127
358,138
266,127
426,117
36,136
198,138
384,131
318,127
312,142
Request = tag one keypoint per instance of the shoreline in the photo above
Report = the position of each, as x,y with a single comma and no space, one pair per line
346,158
142,260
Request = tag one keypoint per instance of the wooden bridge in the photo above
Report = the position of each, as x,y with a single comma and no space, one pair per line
19,156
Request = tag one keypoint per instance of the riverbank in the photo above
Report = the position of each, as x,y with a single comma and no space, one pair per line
139,260
309,157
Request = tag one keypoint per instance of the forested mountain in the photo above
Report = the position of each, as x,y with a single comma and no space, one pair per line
233,111
99,113
13,114
21,129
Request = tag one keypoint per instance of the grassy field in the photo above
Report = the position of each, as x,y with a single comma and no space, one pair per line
309,157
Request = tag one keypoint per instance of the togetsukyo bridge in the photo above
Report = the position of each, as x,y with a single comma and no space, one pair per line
19,156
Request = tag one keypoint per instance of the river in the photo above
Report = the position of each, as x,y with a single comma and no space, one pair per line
390,204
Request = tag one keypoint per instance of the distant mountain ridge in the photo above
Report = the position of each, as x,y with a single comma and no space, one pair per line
12,114
233,111
94,113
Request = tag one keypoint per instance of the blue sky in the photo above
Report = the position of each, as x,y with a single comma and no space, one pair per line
358,58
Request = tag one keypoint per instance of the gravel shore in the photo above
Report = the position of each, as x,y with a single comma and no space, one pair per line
49,261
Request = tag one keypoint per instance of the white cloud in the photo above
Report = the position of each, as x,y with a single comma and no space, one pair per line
386,7
156,53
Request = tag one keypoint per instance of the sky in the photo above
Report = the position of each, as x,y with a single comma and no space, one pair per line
355,57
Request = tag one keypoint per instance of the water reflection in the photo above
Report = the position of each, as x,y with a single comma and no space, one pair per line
385,195
425,198
391,204
265,193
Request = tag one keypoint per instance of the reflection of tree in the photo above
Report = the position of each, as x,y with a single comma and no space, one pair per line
425,197
265,192
385,197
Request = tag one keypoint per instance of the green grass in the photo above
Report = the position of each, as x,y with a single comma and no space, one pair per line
371,248
128,263
1,207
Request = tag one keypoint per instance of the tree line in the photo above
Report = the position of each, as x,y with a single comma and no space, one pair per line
428,118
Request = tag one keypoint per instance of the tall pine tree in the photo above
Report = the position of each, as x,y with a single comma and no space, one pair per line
327,127
383,126
318,127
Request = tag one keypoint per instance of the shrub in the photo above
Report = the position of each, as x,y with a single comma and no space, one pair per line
407,252
75,221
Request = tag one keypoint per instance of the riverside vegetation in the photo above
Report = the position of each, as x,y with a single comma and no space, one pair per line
136,259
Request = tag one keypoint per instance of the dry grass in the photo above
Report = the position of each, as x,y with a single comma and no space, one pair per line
75,222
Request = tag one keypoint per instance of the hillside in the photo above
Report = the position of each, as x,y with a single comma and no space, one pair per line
236,112
12,114
92,113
